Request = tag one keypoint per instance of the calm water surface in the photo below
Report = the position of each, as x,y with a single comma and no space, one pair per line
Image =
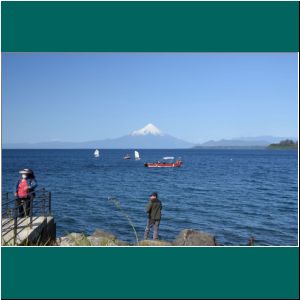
232,194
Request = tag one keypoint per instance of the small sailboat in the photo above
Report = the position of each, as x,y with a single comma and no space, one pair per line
97,153
127,156
136,155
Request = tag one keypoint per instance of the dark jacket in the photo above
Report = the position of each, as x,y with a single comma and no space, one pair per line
153,209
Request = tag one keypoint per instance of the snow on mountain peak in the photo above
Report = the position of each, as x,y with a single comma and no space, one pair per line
148,129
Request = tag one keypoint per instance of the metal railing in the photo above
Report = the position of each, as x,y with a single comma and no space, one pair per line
18,211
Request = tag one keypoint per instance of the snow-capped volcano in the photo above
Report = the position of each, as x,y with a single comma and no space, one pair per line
148,129
148,137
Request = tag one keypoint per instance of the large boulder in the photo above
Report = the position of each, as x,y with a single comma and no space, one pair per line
154,243
73,239
100,241
103,234
190,237
187,237
98,238
102,238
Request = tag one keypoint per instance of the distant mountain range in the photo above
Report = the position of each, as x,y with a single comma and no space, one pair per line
243,142
150,137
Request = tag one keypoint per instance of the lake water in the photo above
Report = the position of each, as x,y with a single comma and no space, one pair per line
232,194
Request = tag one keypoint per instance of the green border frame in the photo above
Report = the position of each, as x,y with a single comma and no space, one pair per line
221,272
150,26
131,272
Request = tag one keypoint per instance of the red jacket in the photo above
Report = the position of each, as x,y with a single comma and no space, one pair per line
24,187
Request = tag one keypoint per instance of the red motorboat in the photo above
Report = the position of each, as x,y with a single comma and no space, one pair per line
168,162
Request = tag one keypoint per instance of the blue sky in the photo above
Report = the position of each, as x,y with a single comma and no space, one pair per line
193,96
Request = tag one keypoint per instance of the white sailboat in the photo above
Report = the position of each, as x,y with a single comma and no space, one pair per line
136,155
97,153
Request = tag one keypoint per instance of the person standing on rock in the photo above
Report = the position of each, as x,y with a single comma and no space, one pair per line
24,192
153,210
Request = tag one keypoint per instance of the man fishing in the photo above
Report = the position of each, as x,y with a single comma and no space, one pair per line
24,192
153,210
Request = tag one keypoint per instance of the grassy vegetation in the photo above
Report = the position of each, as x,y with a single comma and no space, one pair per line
117,204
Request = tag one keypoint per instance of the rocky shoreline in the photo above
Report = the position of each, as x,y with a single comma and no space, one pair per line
187,237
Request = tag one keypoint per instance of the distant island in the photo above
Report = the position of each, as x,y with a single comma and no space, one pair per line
284,145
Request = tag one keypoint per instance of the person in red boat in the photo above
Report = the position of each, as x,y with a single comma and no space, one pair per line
24,192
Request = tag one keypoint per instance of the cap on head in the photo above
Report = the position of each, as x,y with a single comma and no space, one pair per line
26,171
154,194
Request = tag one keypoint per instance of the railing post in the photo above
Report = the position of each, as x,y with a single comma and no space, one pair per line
49,204
15,215
31,209
7,206
43,197
44,205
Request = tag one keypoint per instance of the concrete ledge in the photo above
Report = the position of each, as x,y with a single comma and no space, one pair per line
27,233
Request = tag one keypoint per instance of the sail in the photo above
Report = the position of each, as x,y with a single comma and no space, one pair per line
136,155
96,153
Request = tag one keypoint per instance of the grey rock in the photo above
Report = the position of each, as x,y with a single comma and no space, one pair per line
102,234
122,243
71,239
154,243
189,237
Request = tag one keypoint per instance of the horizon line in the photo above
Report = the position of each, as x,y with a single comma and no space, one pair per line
194,143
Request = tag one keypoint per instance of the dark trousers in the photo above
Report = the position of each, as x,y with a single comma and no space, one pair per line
152,223
24,207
